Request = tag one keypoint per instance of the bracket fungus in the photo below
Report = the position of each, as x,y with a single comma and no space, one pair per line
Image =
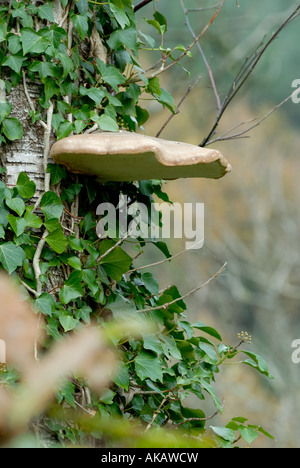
127,156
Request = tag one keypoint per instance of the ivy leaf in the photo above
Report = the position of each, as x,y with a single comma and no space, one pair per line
148,366
116,263
46,12
95,94
258,363
248,433
12,129
51,205
209,330
57,172
126,37
122,378
68,323
33,42
18,225
65,129
81,24
26,188
17,205
45,303
14,62
67,63
5,110
224,432
75,263
57,241
107,124
110,75
152,343
11,256
72,288
3,30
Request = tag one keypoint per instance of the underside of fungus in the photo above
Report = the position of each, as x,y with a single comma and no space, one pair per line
127,156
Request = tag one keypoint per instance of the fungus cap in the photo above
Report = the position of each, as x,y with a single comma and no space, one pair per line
128,156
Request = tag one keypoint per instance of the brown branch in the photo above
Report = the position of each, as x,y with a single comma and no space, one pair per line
242,133
141,5
207,65
177,110
199,419
193,291
164,260
247,69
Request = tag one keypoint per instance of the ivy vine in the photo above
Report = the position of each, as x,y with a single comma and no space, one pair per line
85,61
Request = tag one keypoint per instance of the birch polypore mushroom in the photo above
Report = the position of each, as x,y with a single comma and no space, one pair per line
127,156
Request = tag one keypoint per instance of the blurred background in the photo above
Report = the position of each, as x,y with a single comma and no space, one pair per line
252,215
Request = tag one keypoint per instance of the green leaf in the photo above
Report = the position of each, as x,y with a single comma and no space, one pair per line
11,256
152,343
67,322
95,94
75,263
45,303
46,12
33,42
107,124
126,37
18,225
26,188
209,330
5,110
57,172
110,75
81,24
248,433
148,366
14,62
67,63
72,288
119,15
116,263
227,434
3,30
65,129
17,205
51,205
258,363
57,241
107,397
122,378
12,129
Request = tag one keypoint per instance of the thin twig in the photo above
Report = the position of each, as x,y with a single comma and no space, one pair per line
163,69
193,291
155,414
29,100
177,110
208,418
247,69
165,259
228,136
141,5
207,65
32,291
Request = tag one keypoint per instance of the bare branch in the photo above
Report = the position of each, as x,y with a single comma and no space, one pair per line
207,65
141,5
229,136
177,110
165,259
247,69
193,291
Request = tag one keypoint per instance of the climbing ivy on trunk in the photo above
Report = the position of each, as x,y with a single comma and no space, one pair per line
69,67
